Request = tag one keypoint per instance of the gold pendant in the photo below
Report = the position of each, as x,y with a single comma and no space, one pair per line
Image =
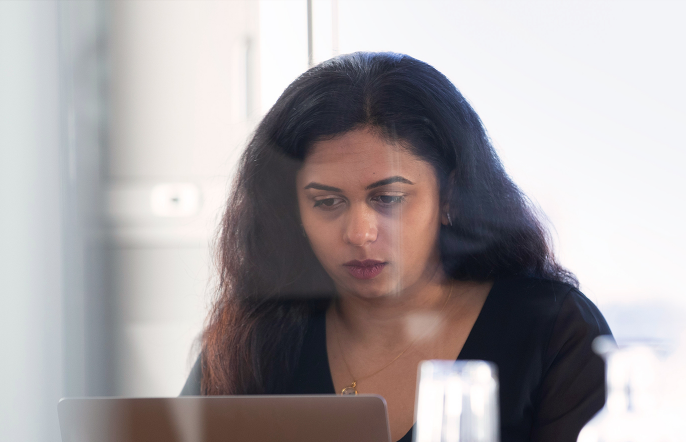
350,390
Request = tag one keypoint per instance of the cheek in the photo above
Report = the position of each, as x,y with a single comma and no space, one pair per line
321,239
420,230
321,236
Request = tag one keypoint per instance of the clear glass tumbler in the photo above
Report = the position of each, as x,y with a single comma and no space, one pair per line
457,401
639,406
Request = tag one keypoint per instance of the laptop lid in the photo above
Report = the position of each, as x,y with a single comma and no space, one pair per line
300,418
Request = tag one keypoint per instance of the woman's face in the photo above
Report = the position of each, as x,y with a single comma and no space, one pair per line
371,213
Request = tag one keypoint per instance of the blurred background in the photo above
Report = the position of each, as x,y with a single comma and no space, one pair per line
121,123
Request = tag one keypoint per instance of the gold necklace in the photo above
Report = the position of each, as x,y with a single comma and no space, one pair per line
352,388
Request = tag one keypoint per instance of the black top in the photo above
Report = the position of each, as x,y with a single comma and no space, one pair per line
537,332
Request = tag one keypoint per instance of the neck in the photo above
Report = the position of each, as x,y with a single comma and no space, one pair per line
395,319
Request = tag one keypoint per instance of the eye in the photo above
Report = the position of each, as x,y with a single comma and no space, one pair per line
388,200
328,203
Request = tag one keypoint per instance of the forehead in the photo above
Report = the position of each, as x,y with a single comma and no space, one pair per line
361,157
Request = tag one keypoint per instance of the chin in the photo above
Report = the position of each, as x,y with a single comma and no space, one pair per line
370,289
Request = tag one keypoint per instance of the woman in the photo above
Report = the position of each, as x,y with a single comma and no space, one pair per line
372,226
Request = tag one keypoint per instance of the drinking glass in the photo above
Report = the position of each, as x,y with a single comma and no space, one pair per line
457,401
639,406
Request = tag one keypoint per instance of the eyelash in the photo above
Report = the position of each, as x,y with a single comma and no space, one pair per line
394,200
320,203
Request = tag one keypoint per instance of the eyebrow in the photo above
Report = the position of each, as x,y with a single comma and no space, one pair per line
391,180
318,186
385,181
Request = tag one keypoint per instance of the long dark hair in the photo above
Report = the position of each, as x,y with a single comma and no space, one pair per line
270,282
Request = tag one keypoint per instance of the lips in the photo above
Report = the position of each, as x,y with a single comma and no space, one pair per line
367,269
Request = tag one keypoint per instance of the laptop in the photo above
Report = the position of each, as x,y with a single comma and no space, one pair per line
300,418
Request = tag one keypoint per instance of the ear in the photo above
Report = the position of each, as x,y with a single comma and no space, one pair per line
444,216
447,198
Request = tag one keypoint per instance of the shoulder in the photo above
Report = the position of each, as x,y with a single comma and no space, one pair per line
521,316
540,333
526,325
541,301
539,294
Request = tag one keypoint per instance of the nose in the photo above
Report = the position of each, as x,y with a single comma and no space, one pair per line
361,226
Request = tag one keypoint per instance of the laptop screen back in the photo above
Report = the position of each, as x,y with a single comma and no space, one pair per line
225,418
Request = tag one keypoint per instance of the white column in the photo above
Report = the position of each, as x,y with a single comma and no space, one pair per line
30,249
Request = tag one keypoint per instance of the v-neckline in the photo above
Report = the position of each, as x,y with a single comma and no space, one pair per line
468,348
